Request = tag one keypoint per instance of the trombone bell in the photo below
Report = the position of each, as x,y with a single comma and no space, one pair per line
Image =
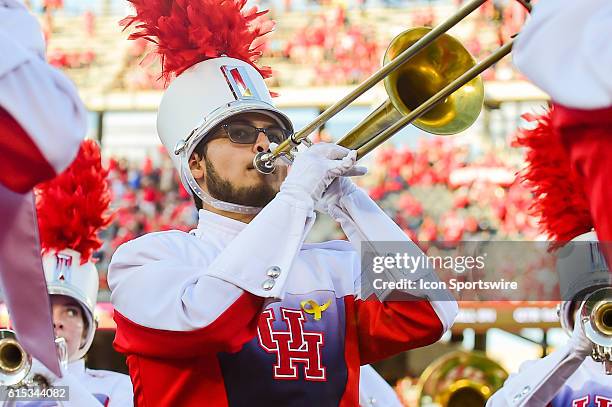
427,73
416,81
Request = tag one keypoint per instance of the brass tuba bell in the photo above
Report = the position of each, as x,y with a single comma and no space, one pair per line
460,379
418,79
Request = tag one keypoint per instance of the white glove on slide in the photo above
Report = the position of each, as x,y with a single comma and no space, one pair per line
341,186
18,24
315,168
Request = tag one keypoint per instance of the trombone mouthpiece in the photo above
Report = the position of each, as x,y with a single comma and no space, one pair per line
264,163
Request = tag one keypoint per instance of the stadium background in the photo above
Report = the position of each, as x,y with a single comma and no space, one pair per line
462,187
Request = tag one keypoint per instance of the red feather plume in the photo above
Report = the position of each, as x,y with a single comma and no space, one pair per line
73,206
560,201
190,31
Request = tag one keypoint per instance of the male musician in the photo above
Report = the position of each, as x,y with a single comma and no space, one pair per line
240,311
71,208
568,377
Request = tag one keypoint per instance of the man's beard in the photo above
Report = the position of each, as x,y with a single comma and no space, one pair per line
221,189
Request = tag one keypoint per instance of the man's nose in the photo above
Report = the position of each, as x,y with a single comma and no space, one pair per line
262,143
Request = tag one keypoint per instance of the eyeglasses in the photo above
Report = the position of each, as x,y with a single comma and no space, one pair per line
240,133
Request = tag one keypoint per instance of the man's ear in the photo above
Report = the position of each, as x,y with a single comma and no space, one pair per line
197,166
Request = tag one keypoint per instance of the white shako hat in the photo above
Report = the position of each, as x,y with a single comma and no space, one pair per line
210,64
71,209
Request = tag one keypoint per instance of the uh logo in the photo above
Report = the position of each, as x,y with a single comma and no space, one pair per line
295,348
600,401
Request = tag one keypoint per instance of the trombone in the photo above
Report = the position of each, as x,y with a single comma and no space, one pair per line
426,73
16,363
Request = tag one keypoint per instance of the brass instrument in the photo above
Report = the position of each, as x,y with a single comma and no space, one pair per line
15,363
460,379
596,317
432,81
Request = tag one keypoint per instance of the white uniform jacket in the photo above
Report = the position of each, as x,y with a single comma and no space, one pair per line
247,314
42,118
565,49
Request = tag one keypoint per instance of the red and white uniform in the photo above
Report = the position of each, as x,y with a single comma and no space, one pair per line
539,381
86,387
565,49
228,312
42,119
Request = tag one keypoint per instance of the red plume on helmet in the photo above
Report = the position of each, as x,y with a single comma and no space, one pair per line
190,31
560,201
73,206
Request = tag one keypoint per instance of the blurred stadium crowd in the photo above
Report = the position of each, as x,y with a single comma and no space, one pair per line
328,44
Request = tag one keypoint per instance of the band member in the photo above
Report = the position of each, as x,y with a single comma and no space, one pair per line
241,311
42,122
564,49
568,376
71,209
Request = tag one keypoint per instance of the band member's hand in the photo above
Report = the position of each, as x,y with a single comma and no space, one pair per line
581,346
17,23
341,186
316,167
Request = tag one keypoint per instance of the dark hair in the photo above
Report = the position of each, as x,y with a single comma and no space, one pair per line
200,149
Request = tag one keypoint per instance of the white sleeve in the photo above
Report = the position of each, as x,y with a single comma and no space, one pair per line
78,395
566,49
122,394
38,96
374,390
538,381
365,223
167,281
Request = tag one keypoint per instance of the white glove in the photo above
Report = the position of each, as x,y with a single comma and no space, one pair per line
580,345
18,24
316,167
341,186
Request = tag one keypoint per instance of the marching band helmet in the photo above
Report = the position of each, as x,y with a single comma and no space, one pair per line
200,99
66,276
71,209
212,71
